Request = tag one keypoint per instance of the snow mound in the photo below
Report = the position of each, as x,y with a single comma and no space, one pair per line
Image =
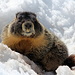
12,63
64,70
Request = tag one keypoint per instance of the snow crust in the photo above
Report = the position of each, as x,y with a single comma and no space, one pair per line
12,63
64,70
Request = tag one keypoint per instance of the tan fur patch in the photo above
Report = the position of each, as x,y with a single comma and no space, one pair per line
26,43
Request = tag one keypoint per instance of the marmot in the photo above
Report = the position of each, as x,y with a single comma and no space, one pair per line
26,35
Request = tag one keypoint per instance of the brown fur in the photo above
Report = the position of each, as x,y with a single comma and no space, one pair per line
43,47
70,61
12,40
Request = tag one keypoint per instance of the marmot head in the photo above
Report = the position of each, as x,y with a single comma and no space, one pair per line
26,25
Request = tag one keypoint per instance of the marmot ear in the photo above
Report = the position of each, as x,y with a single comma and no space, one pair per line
18,14
34,14
31,14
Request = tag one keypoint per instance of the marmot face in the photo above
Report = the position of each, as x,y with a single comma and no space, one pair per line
26,25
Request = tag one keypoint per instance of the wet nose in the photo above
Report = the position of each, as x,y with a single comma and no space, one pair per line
28,25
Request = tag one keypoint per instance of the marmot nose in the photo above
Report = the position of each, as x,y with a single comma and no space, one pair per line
28,25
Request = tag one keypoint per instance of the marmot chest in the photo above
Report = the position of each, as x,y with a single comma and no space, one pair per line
25,45
22,46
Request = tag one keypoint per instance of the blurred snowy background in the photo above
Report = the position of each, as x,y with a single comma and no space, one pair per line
56,15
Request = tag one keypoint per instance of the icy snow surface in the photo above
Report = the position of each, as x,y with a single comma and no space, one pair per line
12,63
56,15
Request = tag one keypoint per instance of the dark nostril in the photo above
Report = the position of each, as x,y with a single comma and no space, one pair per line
28,25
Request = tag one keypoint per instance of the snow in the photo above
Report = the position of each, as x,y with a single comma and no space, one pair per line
12,63
56,15
64,70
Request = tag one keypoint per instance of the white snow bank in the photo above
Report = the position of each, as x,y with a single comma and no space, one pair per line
12,63
64,70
